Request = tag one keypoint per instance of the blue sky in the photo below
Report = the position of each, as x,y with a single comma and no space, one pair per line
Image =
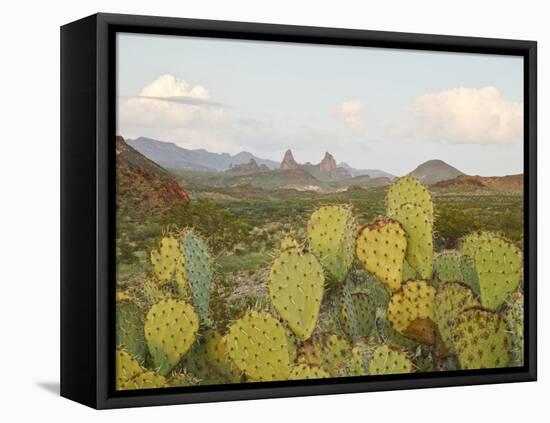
372,108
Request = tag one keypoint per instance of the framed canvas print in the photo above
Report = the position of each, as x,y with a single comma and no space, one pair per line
255,211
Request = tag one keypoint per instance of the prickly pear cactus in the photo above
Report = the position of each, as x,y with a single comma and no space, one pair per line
469,247
164,259
208,360
447,266
129,329
146,380
127,367
381,248
331,235
328,351
409,190
196,269
388,360
296,285
513,317
451,299
358,363
181,379
481,340
288,242
152,292
357,313
258,346
418,228
170,329
411,311
409,273
499,266
305,371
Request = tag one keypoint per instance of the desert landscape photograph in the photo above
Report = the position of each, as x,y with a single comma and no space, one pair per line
291,211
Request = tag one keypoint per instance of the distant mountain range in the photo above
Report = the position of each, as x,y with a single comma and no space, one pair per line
171,156
328,175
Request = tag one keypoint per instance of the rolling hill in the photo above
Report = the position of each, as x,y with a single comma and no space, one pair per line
510,183
434,171
143,185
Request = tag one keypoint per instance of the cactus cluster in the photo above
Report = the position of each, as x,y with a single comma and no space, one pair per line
342,299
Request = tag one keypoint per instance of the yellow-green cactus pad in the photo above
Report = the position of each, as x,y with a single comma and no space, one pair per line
481,340
296,286
145,380
358,364
411,310
328,351
258,346
499,266
381,248
418,229
164,259
127,367
304,371
331,235
170,329
388,360
451,299
409,190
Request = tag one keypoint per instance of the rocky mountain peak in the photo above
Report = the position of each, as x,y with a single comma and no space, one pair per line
328,164
289,162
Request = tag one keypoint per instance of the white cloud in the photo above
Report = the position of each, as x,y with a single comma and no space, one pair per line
160,104
351,112
468,116
171,108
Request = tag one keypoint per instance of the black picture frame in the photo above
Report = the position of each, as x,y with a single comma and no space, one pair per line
87,208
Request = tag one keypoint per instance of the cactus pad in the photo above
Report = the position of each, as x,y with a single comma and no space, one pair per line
513,317
129,329
304,371
499,266
331,234
450,301
408,190
127,367
418,228
447,266
296,285
258,346
328,351
180,379
481,340
411,311
381,248
386,360
197,270
164,259
209,362
357,313
170,330
145,380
